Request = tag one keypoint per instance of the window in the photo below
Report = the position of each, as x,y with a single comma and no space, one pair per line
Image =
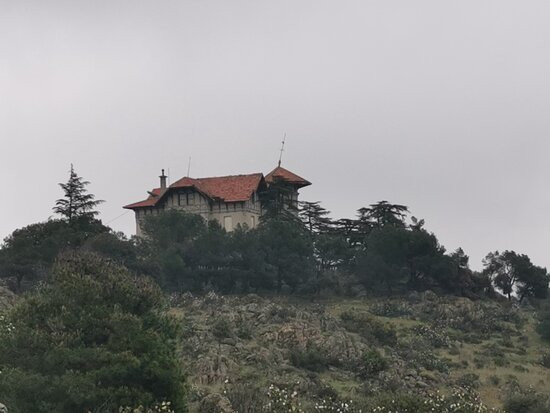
253,222
228,223
181,199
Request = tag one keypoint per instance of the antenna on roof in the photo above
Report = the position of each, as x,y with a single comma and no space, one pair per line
282,149
189,167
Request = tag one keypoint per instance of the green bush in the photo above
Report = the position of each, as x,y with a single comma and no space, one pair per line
373,363
528,402
222,328
436,338
468,380
543,327
369,327
93,339
310,358
545,360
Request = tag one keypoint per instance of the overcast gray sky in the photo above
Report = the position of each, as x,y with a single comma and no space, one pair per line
439,105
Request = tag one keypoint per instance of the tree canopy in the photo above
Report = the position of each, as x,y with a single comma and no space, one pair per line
93,339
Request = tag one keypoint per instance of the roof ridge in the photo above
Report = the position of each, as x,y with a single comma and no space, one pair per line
230,176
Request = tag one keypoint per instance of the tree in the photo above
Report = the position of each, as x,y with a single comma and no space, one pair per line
384,262
28,253
383,213
314,216
77,202
171,239
288,250
93,339
515,273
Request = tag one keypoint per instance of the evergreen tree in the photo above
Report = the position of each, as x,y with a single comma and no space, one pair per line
93,339
77,202
314,216
383,213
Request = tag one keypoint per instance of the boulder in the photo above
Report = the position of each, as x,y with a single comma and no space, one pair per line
3,409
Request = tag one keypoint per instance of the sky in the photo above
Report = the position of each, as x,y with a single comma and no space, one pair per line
439,105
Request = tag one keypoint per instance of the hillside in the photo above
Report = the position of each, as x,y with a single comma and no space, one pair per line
235,348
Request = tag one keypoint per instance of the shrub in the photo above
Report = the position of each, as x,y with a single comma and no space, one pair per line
222,328
390,309
245,398
528,402
436,338
369,327
244,330
310,358
468,380
494,380
93,338
545,360
459,401
373,363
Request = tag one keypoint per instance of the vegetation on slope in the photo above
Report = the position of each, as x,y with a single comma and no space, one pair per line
363,352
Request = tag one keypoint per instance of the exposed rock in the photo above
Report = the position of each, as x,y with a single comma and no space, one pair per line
3,409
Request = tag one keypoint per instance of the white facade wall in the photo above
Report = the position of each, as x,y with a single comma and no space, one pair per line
228,214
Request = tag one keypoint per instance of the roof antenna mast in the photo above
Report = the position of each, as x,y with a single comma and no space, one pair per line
282,149
189,167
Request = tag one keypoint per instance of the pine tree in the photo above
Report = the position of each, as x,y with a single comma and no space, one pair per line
314,216
77,201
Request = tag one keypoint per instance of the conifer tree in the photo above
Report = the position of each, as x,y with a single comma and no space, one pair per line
314,216
77,202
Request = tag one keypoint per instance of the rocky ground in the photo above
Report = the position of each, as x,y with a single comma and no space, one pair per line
237,348
7,298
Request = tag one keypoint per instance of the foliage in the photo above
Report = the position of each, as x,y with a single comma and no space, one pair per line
28,253
373,363
222,328
309,358
288,250
77,202
527,401
369,327
512,272
460,401
93,339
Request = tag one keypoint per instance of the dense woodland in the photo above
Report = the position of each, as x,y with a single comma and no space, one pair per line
93,299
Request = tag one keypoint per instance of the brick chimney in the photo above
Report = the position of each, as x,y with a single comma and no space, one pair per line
162,180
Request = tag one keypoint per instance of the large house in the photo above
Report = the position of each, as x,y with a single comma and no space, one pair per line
231,200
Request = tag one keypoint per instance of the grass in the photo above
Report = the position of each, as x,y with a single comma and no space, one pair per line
263,358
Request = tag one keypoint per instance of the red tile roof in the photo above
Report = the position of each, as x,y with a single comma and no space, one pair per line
232,188
154,196
283,174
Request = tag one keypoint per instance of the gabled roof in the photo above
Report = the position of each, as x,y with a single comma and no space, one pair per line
154,196
233,188
282,174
